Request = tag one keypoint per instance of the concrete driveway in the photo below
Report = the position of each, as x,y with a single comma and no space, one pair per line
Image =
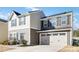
38,48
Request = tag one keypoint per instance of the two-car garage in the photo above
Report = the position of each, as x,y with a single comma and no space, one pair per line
56,39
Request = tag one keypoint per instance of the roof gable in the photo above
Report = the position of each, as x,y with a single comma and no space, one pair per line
16,13
13,13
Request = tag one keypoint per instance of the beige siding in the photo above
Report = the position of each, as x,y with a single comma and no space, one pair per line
35,20
3,31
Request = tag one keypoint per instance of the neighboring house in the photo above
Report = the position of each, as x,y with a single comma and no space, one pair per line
3,30
36,28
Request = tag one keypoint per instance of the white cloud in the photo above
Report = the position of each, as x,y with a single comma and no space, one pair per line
32,8
4,16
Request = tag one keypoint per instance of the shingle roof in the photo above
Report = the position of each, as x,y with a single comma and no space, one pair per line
3,20
60,13
56,14
34,11
16,13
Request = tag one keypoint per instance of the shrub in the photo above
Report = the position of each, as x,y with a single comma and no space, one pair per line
75,42
13,42
10,42
24,42
5,42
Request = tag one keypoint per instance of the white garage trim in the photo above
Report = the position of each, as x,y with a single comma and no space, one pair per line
55,39
59,33
54,30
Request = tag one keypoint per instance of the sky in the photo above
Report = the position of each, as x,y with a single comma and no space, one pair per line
6,11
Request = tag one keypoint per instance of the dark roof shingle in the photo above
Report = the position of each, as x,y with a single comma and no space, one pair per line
16,13
3,20
56,14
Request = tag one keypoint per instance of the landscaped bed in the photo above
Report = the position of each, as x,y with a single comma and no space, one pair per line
4,48
70,49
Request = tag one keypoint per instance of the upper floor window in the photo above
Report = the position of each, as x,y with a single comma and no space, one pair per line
13,22
53,21
64,20
68,19
45,23
22,21
58,21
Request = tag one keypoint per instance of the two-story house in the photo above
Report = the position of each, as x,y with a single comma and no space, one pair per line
36,28
25,26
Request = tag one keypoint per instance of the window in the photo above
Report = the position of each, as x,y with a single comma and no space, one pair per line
15,36
64,20
53,21
45,23
43,35
55,34
22,21
48,34
13,22
62,33
58,21
68,19
10,35
22,36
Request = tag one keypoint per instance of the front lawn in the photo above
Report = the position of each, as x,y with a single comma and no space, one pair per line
70,49
4,48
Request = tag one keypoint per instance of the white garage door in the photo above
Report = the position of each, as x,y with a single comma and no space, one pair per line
56,39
